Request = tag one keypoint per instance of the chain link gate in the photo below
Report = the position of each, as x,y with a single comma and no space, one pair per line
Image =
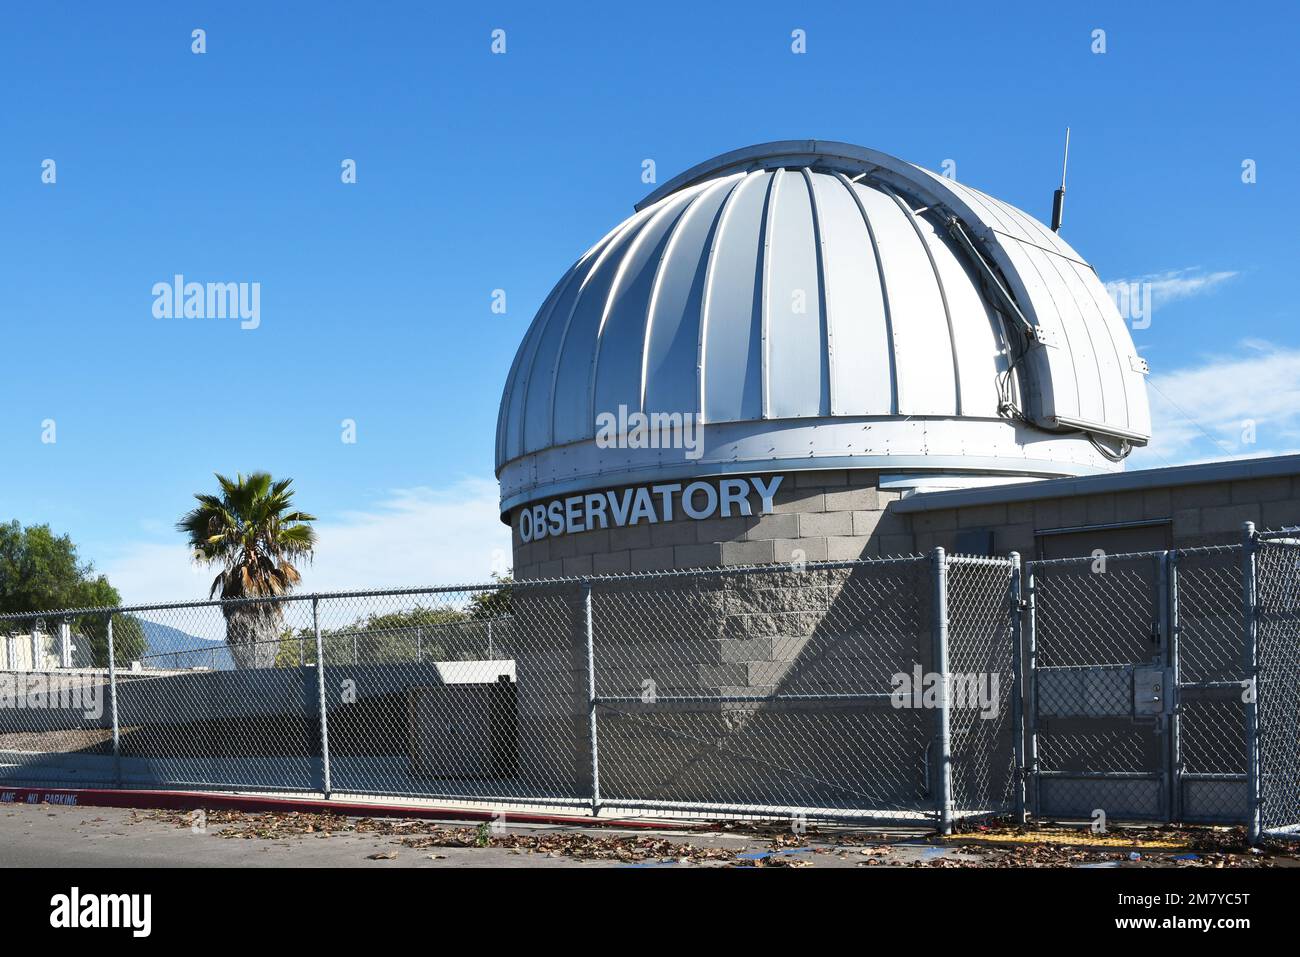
1274,660
1208,734
1099,711
1139,670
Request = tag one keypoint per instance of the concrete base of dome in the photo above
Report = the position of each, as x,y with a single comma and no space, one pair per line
816,516
844,514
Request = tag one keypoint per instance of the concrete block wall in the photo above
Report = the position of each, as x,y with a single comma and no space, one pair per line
1209,513
843,514
817,516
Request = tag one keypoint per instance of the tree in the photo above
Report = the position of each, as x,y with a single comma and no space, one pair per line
494,603
420,633
252,531
41,571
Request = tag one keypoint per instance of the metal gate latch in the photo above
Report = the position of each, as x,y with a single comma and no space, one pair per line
1149,691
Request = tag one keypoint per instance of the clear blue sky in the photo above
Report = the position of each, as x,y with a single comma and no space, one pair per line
478,172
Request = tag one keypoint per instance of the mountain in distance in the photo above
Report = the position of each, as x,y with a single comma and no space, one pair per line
168,647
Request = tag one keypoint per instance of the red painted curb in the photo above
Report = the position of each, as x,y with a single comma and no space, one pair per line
191,800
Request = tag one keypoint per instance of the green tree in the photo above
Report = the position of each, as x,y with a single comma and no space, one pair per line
254,534
494,603
41,571
422,633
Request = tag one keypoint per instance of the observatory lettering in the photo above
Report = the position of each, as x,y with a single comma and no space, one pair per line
650,504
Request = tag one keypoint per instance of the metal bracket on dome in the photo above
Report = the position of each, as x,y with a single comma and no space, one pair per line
958,232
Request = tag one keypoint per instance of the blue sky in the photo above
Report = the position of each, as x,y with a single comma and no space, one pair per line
478,171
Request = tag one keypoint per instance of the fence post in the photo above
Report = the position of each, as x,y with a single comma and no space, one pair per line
591,697
1030,627
1162,630
320,698
112,705
38,658
1249,544
1174,670
943,731
1017,684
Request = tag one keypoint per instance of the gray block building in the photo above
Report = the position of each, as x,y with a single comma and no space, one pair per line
802,352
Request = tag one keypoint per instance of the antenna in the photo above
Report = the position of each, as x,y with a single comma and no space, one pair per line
1058,198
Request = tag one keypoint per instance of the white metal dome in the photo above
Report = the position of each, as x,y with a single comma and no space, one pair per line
820,305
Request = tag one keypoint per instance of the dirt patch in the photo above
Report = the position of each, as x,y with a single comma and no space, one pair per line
90,740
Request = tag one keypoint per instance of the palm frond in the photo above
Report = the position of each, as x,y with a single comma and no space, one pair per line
250,531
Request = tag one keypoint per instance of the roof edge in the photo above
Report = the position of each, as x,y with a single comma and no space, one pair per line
1139,479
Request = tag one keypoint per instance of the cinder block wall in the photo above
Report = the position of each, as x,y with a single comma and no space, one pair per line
817,516
1209,513
843,514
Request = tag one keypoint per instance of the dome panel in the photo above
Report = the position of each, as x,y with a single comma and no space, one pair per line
620,339
978,336
541,370
923,362
732,382
857,326
670,377
570,396
510,416
793,334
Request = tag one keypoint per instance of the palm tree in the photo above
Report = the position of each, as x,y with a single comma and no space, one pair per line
252,533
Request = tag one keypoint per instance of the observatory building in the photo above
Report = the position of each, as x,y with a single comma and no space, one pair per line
808,350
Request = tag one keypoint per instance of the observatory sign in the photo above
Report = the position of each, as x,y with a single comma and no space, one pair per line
647,504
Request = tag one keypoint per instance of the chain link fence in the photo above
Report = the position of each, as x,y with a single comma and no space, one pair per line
808,690
1277,683
985,684
920,689
1209,670
766,689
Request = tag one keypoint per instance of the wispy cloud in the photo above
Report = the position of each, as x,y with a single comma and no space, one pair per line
1175,284
1243,403
417,536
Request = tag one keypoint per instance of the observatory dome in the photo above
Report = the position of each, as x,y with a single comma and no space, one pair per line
818,305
